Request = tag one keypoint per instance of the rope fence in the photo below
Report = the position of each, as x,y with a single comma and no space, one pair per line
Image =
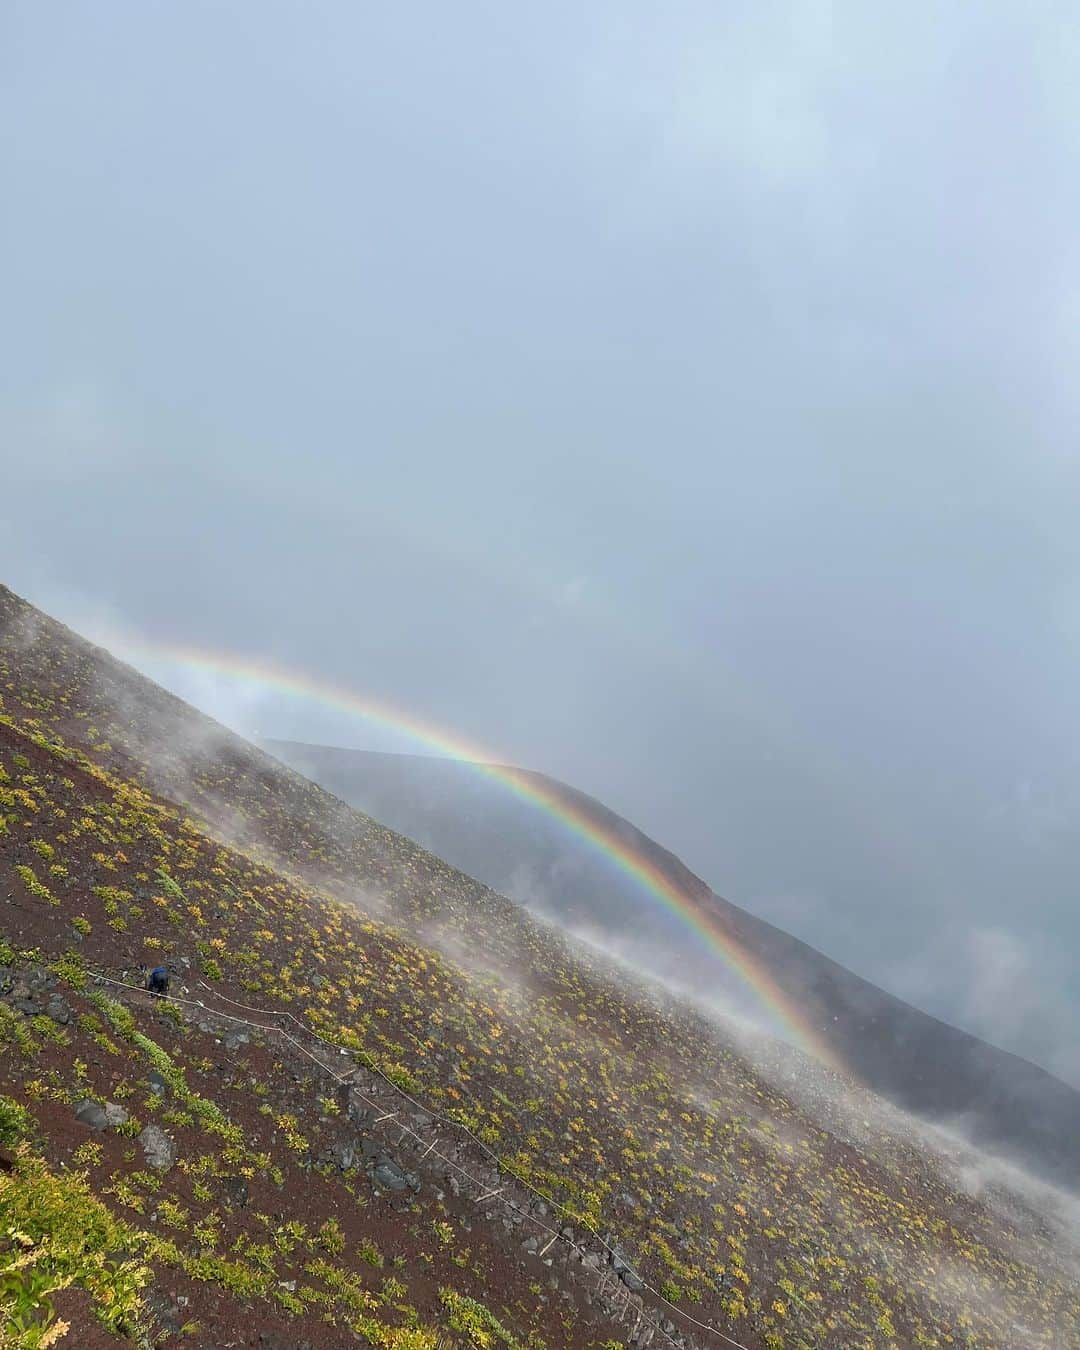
484,1190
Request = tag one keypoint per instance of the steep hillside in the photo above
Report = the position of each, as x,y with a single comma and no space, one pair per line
385,1106
919,1062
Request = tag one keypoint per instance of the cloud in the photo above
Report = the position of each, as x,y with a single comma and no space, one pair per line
573,591
76,429
1010,988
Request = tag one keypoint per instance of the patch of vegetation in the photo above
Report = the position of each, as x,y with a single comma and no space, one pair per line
482,1327
55,1233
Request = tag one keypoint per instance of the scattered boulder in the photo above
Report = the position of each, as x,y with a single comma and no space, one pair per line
358,1113
158,1149
166,1310
116,1115
59,1010
391,1177
343,1155
624,1270
632,1280
91,1113
234,1191
35,978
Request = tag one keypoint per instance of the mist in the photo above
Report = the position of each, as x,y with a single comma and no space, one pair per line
679,406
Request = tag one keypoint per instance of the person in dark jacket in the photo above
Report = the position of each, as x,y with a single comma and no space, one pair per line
158,983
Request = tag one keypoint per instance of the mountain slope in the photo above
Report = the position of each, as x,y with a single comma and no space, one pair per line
270,1185
919,1062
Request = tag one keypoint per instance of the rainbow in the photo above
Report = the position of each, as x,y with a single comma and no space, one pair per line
691,912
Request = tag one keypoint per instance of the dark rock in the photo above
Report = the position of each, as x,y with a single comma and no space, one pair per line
632,1280
166,1311
358,1113
158,1149
158,1084
625,1270
235,1192
91,1113
344,1155
391,1177
37,979
26,1006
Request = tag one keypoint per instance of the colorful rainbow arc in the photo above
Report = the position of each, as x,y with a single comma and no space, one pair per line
624,856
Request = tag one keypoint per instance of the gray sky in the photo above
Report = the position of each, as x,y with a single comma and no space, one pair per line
679,399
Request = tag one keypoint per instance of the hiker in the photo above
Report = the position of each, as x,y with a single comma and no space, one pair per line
158,983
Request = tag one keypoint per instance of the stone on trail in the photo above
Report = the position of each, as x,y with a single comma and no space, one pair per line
343,1155
625,1271
388,1174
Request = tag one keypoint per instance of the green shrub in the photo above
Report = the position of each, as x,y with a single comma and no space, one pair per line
482,1327
65,1236
16,1122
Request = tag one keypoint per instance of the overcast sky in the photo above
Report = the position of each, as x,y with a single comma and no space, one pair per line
680,399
